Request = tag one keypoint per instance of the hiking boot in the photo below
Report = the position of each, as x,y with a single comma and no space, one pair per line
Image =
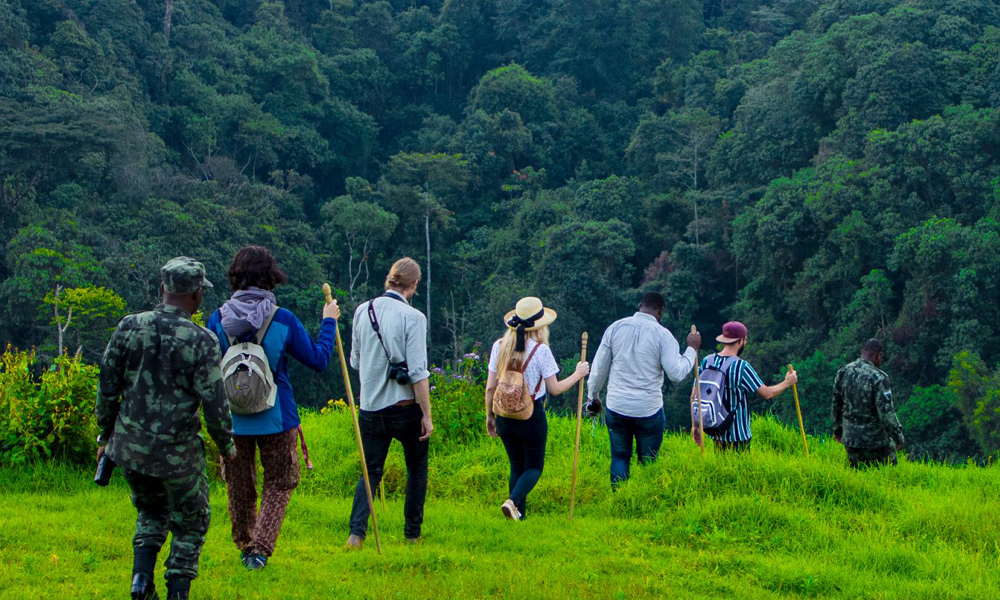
143,587
414,541
355,542
510,510
178,589
254,562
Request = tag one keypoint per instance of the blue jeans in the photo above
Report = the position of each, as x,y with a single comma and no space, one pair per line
524,442
647,433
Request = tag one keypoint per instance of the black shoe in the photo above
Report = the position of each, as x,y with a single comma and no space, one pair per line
254,562
143,587
178,589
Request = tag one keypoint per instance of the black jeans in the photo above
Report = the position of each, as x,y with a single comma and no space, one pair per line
524,442
647,433
378,429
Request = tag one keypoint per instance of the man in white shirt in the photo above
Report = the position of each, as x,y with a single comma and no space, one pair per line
634,354
389,349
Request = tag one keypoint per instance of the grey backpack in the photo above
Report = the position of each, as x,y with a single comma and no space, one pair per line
247,375
716,413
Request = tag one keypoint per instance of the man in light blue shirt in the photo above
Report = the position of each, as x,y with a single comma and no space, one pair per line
634,354
389,350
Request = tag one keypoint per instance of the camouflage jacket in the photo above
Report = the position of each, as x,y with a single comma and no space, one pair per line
159,367
863,412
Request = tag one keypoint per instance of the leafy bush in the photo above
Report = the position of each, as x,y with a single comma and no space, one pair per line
457,398
46,413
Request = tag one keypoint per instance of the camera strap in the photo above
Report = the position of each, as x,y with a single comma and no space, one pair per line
373,319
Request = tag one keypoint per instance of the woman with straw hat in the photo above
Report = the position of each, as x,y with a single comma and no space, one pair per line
524,349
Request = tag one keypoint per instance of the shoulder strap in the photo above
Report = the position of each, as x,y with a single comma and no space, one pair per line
524,367
373,319
262,332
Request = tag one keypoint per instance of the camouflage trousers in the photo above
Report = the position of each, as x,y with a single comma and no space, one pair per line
868,457
178,506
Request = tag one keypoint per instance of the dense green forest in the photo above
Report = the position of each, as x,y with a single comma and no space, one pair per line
825,171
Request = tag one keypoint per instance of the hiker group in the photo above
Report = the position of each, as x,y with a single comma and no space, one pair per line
160,367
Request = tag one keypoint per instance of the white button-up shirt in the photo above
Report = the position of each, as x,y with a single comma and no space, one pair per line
634,354
404,331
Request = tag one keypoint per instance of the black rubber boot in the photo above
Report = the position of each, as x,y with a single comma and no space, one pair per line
178,589
143,588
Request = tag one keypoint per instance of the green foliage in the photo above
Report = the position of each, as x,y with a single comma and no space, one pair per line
977,393
92,312
46,415
805,527
823,171
457,399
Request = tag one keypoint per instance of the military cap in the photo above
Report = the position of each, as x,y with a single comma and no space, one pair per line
182,275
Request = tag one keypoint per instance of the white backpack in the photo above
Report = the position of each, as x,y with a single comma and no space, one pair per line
247,375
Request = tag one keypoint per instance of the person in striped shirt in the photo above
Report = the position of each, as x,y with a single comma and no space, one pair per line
741,381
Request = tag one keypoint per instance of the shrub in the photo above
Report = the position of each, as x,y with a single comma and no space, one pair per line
457,399
46,413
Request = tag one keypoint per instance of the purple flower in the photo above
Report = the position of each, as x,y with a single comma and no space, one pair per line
437,370
433,387
472,355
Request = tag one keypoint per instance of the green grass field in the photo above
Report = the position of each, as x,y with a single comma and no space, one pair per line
769,524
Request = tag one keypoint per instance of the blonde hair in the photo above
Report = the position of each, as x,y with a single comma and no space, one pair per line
507,355
403,274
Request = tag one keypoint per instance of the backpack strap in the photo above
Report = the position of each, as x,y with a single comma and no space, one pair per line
527,362
540,380
262,332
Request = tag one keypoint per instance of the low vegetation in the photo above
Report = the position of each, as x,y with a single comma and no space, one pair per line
772,523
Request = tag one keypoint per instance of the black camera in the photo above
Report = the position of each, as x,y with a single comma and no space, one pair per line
105,467
399,372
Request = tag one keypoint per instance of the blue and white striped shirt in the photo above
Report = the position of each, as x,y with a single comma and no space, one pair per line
741,382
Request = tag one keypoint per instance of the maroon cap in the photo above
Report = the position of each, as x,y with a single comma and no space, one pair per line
732,331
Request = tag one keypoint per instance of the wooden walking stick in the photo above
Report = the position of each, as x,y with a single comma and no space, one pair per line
305,449
795,393
579,421
697,398
381,492
354,419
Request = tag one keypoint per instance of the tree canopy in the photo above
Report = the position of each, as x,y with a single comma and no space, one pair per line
824,171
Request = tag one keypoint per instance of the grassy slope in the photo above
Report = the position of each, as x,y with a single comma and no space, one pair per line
768,524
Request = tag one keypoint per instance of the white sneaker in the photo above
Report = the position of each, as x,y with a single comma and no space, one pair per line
510,510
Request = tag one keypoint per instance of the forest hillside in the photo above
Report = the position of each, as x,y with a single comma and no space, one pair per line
825,171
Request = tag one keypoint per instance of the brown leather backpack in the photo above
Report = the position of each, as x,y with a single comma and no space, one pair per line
512,398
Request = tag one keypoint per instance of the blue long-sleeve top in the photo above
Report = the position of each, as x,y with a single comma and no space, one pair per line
285,337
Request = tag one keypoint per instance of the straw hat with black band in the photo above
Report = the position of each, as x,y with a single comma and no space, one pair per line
529,315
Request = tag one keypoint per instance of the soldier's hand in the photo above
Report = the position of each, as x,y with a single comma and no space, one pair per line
100,452
900,448
231,455
791,377
331,311
694,340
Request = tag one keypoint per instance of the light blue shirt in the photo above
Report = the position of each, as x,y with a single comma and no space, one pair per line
404,331
634,354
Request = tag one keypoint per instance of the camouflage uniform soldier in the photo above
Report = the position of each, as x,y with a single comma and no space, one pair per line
864,418
159,367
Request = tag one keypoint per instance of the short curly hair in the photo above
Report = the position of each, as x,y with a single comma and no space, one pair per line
255,266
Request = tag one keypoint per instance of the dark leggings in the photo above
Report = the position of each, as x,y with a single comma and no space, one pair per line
524,442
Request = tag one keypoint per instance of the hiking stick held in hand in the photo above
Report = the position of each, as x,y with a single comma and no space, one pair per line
354,419
305,449
697,398
579,421
798,410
